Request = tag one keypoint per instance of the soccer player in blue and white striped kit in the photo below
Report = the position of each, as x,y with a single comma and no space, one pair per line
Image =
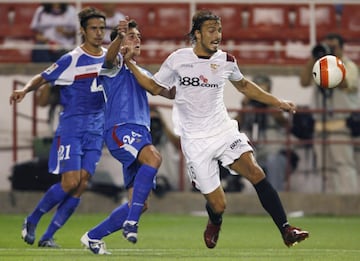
127,136
78,140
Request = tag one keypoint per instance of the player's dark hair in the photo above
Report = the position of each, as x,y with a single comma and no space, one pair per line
198,19
88,13
335,36
114,32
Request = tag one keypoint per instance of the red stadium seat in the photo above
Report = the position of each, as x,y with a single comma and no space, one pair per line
158,21
172,21
15,20
325,19
350,23
138,12
269,22
15,56
234,19
255,52
350,30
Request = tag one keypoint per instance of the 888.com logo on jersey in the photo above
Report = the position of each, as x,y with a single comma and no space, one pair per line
200,81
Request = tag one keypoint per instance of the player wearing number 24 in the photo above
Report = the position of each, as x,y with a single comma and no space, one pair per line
207,132
78,140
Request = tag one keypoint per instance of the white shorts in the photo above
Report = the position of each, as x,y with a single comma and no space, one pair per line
202,156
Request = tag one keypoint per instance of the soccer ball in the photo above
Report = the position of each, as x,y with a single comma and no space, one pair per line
328,71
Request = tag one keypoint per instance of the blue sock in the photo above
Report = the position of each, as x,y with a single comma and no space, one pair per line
52,197
64,211
143,184
111,224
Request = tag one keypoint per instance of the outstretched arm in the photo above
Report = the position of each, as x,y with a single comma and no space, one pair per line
32,85
254,92
43,95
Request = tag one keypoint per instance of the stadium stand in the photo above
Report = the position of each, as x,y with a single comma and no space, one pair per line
350,29
15,32
234,18
350,22
269,22
325,19
157,21
278,33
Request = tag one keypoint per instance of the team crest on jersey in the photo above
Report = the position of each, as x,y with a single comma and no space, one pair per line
214,66
51,68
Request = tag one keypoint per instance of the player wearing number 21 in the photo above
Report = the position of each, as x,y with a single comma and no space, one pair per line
78,141
207,132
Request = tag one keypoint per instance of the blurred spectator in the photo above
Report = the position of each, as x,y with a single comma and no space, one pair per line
55,30
263,126
168,144
112,19
50,96
335,159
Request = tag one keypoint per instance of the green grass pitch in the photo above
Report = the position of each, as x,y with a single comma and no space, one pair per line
179,237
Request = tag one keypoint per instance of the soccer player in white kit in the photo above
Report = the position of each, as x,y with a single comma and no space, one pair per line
207,132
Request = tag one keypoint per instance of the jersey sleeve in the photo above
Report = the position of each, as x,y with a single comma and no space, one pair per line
235,73
166,76
53,72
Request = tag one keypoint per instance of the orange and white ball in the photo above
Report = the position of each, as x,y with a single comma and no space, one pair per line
328,71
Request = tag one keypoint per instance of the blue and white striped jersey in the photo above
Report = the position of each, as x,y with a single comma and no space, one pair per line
80,93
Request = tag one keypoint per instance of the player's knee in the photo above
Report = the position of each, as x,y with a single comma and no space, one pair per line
257,174
220,209
70,185
218,206
150,156
81,187
156,160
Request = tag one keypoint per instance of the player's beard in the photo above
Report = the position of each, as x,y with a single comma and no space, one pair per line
207,48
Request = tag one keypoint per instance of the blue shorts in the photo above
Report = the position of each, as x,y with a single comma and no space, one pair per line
69,153
125,143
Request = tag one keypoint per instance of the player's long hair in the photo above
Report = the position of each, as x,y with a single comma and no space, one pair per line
197,21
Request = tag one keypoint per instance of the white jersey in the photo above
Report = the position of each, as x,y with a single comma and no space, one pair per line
199,110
